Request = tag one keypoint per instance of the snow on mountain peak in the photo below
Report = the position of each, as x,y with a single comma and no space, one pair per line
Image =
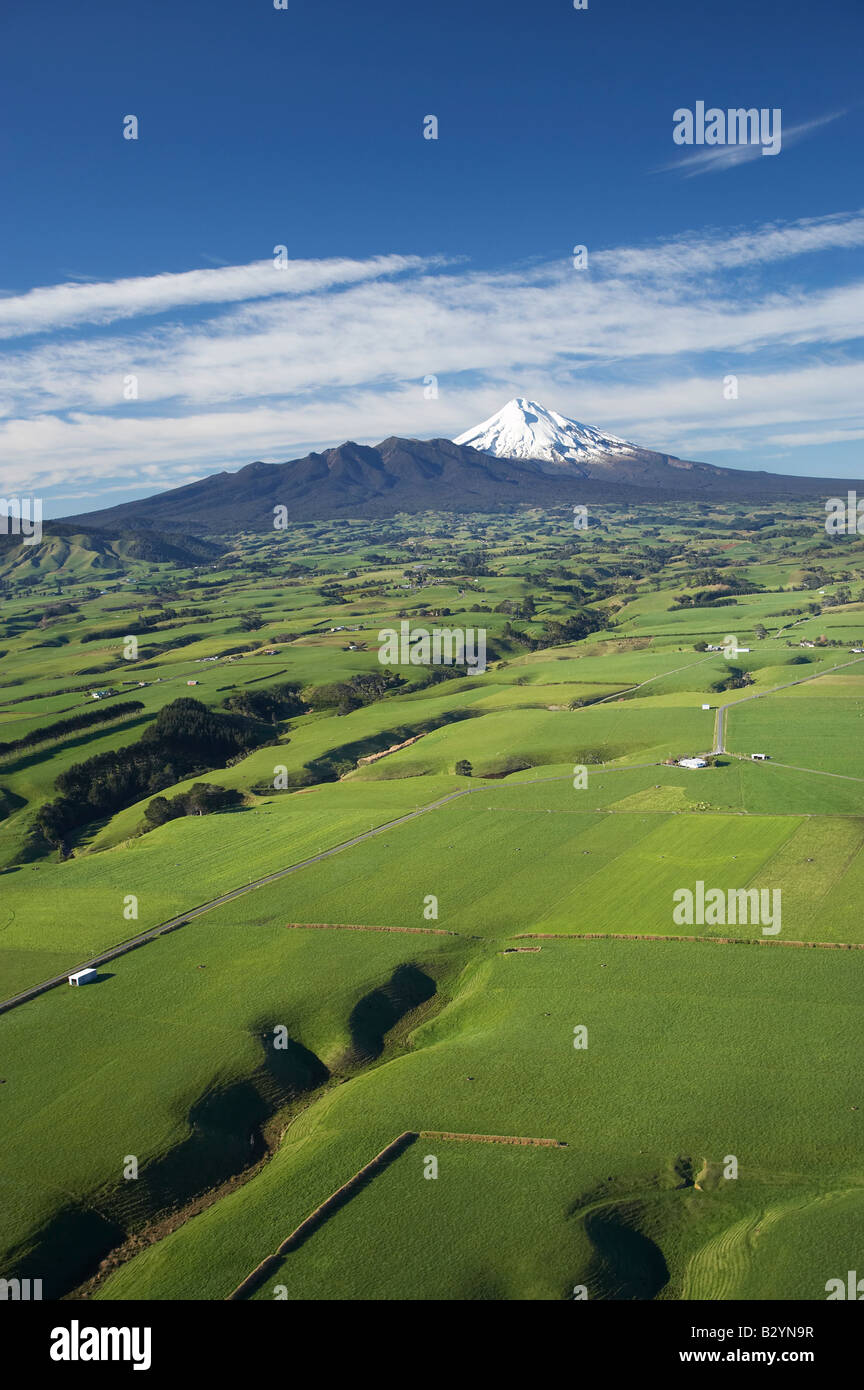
525,429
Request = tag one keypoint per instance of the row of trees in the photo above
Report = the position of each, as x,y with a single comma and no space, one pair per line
71,726
270,705
202,799
345,696
186,738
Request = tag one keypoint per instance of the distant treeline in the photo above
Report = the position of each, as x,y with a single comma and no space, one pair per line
71,726
151,649
270,706
698,602
185,738
146,622
718,597
556,634
434,675
104,634
345,696
202,799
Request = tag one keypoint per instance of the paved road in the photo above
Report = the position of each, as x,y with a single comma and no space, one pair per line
134,941
719,735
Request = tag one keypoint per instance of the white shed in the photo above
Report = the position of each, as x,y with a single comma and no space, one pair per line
692,762
83,977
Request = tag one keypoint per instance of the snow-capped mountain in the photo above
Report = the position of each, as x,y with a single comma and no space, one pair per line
527,430
524,455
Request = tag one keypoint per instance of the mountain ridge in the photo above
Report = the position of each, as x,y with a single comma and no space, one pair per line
412,475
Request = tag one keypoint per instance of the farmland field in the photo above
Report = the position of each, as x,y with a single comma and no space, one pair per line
396,894
431,679
714,1027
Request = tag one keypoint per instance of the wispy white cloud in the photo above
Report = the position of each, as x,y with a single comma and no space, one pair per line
57,306
712,159
639,344
709,253
822,436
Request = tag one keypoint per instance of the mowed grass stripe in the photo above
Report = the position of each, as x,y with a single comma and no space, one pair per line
721,851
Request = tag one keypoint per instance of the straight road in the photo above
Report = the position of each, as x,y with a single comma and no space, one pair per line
183,917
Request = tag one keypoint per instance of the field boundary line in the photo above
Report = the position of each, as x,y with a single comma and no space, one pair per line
359,1179
322,1212
628,690
592,769
356,926
493,1138
716,940
814,772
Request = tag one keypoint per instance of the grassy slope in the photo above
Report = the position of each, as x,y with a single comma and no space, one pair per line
174,868
725,1038
736,1048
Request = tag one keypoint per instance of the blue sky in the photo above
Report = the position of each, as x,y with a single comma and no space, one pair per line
409,257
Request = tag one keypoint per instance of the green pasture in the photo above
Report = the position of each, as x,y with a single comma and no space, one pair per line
719,1038
697,1050
54,916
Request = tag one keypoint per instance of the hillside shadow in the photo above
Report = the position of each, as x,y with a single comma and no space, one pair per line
626,1264
10,801
226,1139
334,761
379,1011
66,1251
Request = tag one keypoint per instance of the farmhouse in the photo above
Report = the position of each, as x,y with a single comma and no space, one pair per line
692,762
83,977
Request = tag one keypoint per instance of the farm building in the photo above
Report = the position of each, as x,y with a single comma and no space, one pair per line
759,757
83,977
692,762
